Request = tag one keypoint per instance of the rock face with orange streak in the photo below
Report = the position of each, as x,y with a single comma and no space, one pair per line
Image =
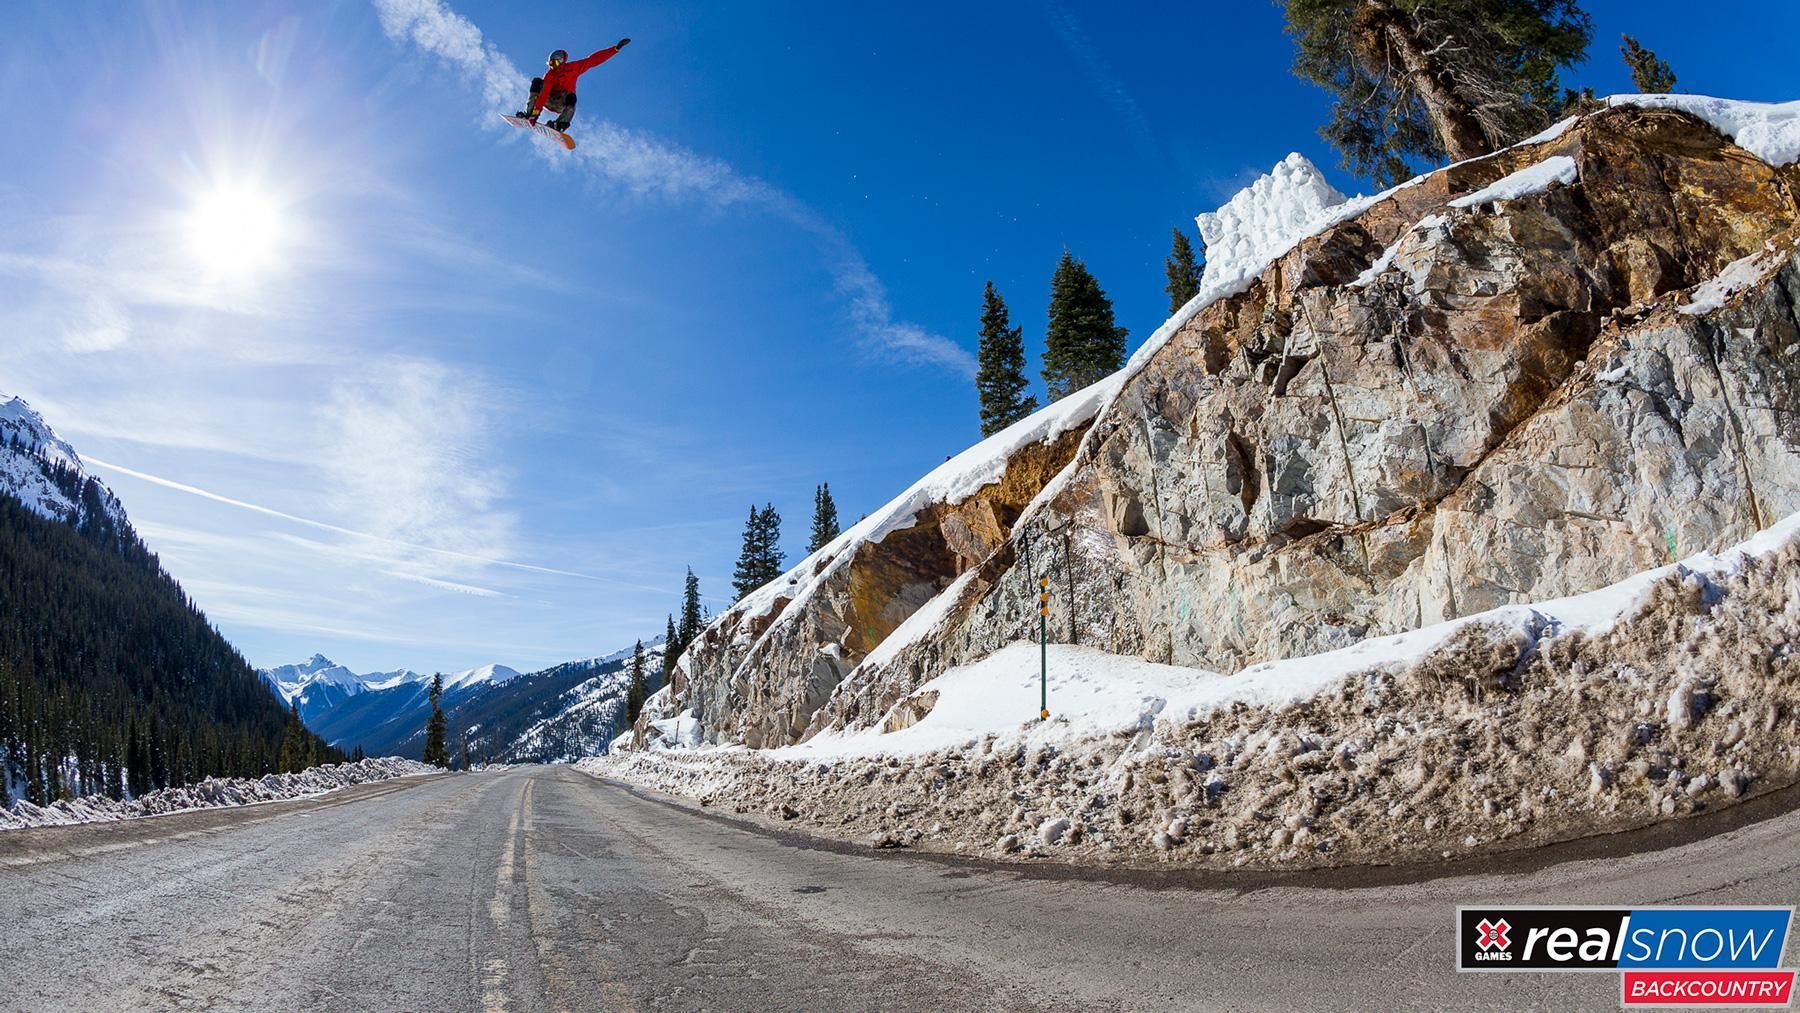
760,673
1424,411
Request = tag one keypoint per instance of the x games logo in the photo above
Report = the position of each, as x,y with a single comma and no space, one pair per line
1491,935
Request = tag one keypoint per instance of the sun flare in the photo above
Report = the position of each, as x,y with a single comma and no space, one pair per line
234,230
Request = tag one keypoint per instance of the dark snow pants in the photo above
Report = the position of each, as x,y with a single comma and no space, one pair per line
560,102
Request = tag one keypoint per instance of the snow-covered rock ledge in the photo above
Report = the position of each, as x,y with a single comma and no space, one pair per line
212,793
1664,695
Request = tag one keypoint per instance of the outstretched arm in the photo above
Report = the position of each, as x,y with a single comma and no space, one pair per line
588,63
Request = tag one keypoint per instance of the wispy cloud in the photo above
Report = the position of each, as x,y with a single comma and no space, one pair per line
334,528
644,165
407,445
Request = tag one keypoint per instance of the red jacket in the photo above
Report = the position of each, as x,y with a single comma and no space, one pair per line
562,77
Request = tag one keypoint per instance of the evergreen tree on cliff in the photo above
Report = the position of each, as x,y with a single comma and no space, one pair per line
825,519
690,611
1651,74
636,694
1434,80
1183,271
747,576
1000,381
769,557
437,751
1082,344
671,650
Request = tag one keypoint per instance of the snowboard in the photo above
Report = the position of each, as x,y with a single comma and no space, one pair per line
556,135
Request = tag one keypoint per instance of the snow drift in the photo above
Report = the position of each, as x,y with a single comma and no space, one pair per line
212,793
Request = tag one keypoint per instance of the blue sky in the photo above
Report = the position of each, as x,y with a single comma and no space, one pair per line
381,377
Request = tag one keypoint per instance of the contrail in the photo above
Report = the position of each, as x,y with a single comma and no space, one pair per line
353,533
1069,32
645,165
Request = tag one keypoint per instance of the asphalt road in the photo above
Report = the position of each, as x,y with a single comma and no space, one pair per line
544,889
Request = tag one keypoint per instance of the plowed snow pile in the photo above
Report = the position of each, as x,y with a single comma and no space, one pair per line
1669,693
212,793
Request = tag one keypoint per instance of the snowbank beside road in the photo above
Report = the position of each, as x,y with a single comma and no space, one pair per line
1655,698
212,793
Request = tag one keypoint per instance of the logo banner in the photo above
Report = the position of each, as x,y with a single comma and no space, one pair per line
1665,956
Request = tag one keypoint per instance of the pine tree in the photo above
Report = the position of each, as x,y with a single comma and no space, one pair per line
1183,272
293,744
745,578
761,558
1651,75
436,750
1430,80
671,651
1000,379
690,627
357,755
1082,345
825,519
636,694
771,561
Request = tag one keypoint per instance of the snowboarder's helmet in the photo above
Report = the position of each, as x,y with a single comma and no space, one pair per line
558,57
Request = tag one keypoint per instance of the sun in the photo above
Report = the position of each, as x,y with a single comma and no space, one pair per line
235,230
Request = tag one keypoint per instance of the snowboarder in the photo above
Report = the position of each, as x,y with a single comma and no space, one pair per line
556,89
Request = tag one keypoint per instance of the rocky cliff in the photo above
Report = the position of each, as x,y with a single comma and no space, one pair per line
1518,377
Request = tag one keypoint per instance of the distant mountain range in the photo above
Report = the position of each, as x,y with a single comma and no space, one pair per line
564,712
319,685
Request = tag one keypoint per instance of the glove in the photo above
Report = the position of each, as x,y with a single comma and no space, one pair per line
623,43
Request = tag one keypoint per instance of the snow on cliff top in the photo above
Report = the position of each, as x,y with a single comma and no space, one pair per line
1768,130
956,479
1534,178
1263,221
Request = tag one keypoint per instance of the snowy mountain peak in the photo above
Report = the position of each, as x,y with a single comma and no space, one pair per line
292,681
19,419
43,470
495,674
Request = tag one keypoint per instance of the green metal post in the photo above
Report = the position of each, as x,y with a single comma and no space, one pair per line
1043,648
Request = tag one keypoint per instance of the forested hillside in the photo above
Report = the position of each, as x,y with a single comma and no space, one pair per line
111,680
